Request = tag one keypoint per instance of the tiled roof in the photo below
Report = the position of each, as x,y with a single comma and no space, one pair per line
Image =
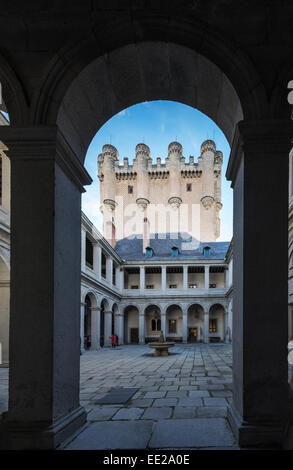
130,248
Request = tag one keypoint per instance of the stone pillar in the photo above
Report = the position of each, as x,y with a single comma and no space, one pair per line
83,247
226,336
184,325
141,329
46,182
117,278
109,270
163,277
227,284
119,327
107,327
163,324
97,261
142,277
206,277
95,328
121,279
82,305
185,277
206,327
258,169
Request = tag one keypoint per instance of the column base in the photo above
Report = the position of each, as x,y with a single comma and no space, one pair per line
31,436
256,435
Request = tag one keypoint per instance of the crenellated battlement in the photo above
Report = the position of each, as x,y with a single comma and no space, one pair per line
159,168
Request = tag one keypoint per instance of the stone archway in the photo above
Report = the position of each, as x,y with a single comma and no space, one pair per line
131,324
153,322
195,323
217,326
174,323
47,178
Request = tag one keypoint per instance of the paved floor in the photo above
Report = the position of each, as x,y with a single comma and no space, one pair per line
181,400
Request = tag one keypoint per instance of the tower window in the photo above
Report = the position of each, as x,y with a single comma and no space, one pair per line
130,189
189,187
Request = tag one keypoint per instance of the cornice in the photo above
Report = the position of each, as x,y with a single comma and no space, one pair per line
44,143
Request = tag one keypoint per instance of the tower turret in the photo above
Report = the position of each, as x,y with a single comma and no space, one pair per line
208,206
174,164
106,173
142,153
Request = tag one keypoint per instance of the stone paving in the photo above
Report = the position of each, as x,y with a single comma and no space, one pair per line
181,400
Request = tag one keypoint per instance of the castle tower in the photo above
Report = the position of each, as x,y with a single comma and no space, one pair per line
192,187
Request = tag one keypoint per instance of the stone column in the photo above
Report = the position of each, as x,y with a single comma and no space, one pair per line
227,278
121,279
163,277
95,328
46,182
107,327
109,270
258,169
83,247
117,278
206,277
184,325
163,324
206,327
226,336
142,277
82,305
185,277
119,327
141,329
97,261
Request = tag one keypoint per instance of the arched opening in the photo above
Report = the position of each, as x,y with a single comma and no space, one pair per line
195,324
153,323
103,89
217,327
174,330
131,325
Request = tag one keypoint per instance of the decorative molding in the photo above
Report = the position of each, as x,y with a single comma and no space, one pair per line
175,202
207,202
44,143
142,203
258,139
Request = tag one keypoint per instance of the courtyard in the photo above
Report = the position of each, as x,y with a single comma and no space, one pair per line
180,402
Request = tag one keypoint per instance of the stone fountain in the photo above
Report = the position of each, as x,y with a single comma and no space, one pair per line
161,347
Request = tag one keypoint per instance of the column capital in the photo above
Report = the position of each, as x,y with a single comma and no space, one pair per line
262,137
44,143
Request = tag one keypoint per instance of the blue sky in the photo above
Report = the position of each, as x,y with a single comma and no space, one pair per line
157,123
